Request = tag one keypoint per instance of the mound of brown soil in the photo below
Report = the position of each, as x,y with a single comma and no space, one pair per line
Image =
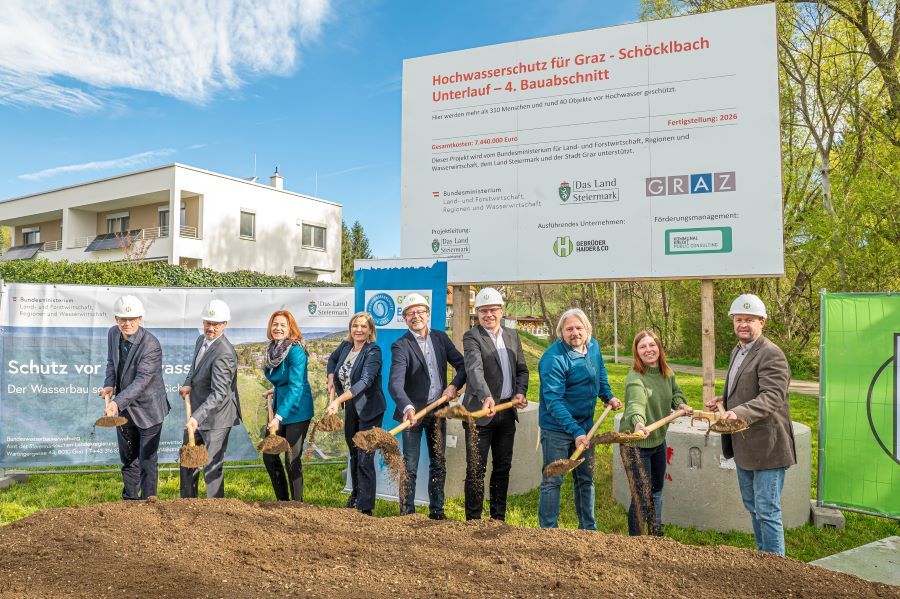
229,548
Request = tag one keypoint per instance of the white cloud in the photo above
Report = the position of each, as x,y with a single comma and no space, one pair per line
67,55
134,160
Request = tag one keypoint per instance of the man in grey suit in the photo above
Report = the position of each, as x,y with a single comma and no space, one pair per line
756,390
211,386
495,373
134,376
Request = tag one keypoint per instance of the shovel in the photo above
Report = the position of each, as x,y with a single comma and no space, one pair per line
191,455
273,443
727,427
460,413
560,467
614,437
377,438
110,421
327,424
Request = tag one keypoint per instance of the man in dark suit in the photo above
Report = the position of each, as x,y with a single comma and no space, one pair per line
134,376
495,373
211,386
418,377
756,391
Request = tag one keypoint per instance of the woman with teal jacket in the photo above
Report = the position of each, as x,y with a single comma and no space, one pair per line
651,394
290,401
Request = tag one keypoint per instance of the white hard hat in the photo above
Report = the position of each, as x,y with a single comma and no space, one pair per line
415,299
748,304
128,306
216,311
488,297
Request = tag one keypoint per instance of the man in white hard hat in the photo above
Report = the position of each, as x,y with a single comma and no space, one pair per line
134,376
756,391
211,386
495,373
418,377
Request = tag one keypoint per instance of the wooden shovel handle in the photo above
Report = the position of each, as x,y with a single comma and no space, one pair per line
423,412
497,408
720,406
578,451
665,421
187,411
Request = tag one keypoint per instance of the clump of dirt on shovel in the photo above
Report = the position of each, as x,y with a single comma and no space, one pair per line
557,467
274,444
193,456
327,424
455,411
375,439
614,437
728,426
111,421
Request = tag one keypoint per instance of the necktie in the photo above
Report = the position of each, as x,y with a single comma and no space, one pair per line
201,352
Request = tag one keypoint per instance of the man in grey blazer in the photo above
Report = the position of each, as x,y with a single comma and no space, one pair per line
134,376
756,390
495,373
215,407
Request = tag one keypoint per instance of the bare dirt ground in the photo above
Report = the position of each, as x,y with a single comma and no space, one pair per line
232,549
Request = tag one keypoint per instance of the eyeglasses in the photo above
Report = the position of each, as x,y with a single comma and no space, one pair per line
489,310
416,313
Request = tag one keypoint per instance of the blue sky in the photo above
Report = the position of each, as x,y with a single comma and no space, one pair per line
89,90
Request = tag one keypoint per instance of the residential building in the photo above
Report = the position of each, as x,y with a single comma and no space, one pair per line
182,215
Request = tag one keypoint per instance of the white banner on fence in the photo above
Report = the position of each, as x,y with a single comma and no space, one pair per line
644,150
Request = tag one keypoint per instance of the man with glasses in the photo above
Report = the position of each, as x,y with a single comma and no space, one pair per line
134,376
211,387
495,373
418,377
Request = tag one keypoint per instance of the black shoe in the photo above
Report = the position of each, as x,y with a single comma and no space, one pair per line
366,512
437,516
351,502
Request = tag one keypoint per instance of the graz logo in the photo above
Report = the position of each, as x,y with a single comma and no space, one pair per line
563,246
435,246
565,191
312,307
382,308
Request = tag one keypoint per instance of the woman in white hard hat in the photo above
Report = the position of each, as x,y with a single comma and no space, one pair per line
354,373
290,399
651,394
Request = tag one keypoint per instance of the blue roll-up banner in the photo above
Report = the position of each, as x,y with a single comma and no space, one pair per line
380,286
53,353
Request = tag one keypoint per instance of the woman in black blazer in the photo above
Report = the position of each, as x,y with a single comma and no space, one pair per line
354,373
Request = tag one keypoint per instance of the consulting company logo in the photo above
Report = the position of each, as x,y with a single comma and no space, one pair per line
565,246
672,185
382,308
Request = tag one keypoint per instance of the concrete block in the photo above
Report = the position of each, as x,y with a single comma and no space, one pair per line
826,516
701,488
878,561
8,480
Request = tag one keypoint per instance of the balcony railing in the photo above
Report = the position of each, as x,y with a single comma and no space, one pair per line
51,246
83,242
189,232
154,233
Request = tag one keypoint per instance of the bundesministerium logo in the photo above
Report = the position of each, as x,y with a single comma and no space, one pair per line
435,246
312,307
382,308
565,191
562,247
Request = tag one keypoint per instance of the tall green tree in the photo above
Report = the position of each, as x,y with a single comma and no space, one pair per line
354,246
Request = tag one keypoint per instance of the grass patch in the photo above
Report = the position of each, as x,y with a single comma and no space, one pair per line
323,485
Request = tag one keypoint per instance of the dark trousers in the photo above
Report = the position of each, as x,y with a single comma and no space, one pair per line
648,488
216,442
497,437
435,429
138,451
362,464
295,433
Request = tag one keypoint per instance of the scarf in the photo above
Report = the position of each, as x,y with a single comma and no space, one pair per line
277,352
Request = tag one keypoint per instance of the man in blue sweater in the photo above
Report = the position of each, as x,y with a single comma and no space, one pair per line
573,376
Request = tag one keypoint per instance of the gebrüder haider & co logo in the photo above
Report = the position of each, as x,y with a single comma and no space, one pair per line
564,246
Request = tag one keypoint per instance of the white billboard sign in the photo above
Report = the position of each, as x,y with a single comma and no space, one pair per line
648,150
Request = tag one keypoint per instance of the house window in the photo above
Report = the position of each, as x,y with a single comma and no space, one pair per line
31,235
248,225
183,214
313,237
164,218
117,223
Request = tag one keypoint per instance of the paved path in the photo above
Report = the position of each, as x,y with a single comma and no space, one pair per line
796,386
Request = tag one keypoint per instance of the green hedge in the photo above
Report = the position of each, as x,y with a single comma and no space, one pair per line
152,274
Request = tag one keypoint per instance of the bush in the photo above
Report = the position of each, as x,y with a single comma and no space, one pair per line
151,274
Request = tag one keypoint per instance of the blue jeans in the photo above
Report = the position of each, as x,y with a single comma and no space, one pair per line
761,493
558,446
437,471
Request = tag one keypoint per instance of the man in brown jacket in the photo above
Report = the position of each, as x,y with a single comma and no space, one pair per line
756,391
